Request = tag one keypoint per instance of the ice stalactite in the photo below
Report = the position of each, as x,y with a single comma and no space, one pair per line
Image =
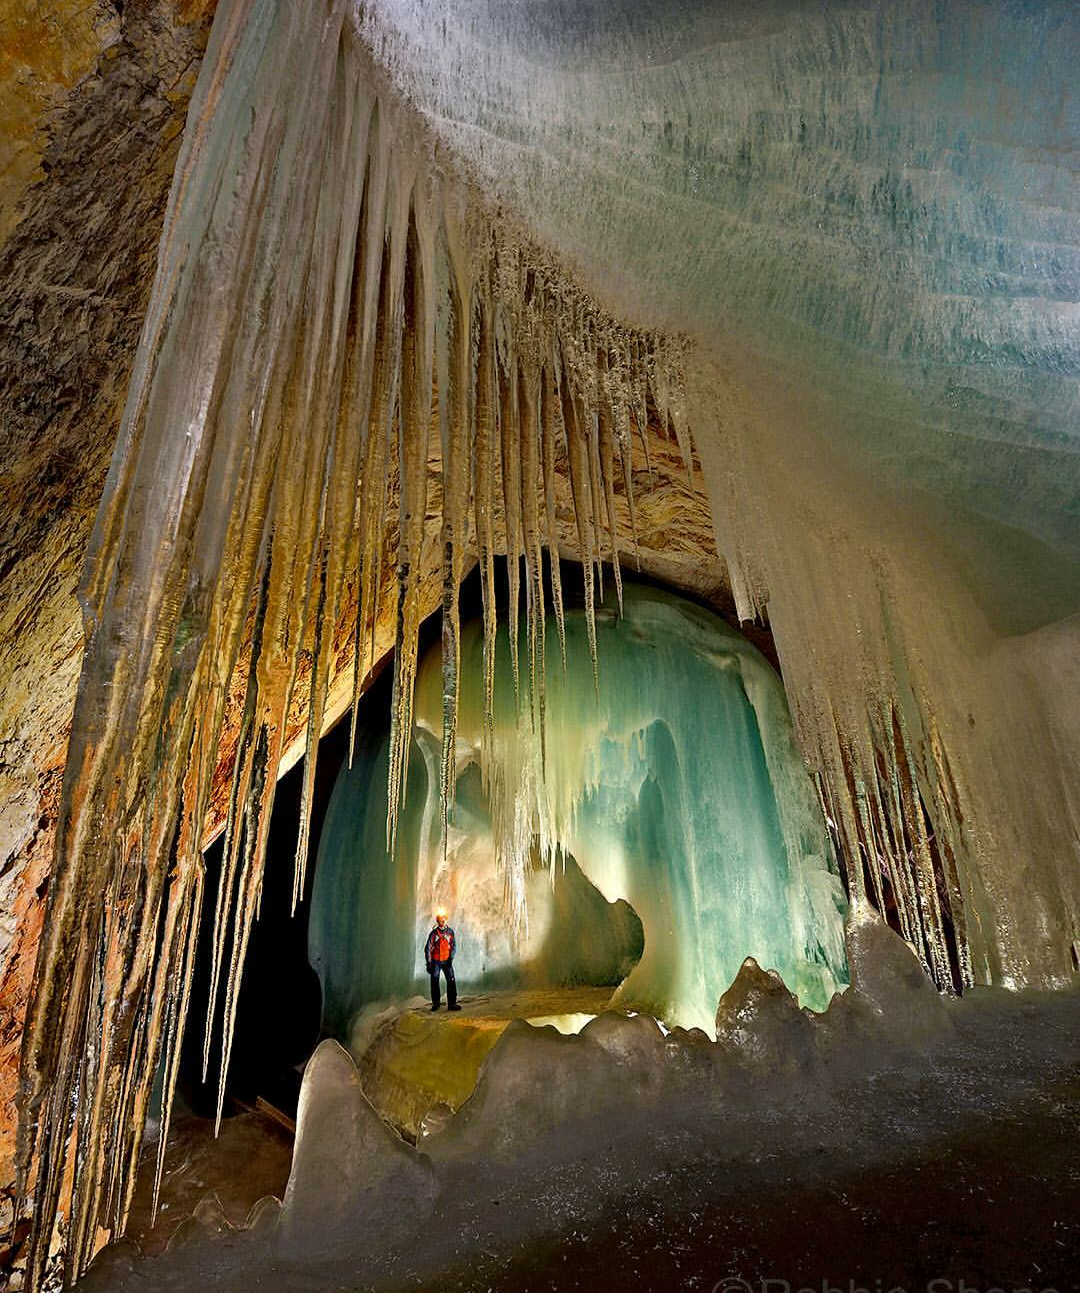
866,220
675,785
323,284
327,277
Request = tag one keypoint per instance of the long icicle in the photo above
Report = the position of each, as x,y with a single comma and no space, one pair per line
577,455
550,449
455,376
484,501
416,373
316,269
364,378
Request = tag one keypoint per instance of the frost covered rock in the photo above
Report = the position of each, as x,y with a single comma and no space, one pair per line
761,1021
354,1183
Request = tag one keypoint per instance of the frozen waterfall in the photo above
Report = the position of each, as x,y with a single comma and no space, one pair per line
676,786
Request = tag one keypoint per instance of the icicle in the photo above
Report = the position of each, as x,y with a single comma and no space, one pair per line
594,473
374,488
153,675
484,500
242,771
510,460
675,404
174,997
367,381
331,295
621,400
578,466
606,460
415,417
311,281
531,485
548,416
640,401
455,377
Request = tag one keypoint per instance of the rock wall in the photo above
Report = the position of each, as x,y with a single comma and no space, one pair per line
82,203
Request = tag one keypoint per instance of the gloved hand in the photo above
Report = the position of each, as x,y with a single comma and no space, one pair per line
430,968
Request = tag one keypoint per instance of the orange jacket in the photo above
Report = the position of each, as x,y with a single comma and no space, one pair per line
440,946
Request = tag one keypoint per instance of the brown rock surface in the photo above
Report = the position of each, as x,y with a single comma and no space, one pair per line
47,50
75,273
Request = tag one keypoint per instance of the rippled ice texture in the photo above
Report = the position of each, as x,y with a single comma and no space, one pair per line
866,217
878,200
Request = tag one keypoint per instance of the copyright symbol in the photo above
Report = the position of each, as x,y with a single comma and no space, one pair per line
733,1284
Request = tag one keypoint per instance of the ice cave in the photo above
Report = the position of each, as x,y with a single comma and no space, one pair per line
540,645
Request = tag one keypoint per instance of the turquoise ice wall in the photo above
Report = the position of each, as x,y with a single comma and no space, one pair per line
677,789
369,919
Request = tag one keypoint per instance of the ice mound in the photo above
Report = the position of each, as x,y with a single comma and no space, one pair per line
560,1128
209,1218
759,1021
528,1083
890,998
352,1178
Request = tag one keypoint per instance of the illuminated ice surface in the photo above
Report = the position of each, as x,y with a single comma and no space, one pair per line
867,219
878,201
676,787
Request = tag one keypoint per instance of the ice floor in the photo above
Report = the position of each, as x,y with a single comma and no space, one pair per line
417,1059
896,1140
249,1159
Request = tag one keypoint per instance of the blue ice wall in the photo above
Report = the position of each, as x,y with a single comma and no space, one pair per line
371,911
677,789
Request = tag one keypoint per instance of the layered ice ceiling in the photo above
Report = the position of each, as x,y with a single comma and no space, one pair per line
875,202
423,261
674,785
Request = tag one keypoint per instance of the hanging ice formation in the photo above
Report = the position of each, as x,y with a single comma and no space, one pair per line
865,219
676,785
319,280
324,269
677,788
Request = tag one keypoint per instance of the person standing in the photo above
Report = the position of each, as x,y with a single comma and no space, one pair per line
439,955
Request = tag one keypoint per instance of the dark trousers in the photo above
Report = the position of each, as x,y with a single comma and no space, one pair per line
447,968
